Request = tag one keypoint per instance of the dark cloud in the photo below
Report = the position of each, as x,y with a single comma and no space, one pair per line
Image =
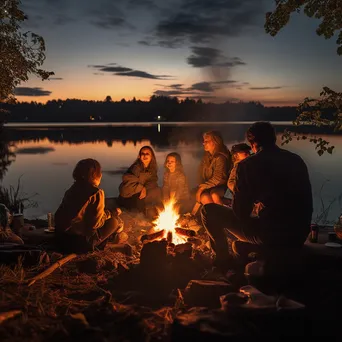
115,69
209,57
118,70
143,74
170,44
110,22
203,20
46,12
198,90
265,88
202,86
225,82
26,91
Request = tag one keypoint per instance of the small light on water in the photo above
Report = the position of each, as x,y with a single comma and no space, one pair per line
158,128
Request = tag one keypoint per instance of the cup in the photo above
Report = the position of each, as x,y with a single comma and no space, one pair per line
17,223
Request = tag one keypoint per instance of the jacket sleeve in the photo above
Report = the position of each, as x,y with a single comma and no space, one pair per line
166,187
183,187
232,179
131,182
151,180
96,214
242,200
220,174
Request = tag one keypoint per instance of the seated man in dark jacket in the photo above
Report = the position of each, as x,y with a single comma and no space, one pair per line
272,202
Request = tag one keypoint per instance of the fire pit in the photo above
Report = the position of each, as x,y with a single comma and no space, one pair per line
166,227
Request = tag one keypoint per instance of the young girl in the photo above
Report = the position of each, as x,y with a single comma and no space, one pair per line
81,221
139,188
175,184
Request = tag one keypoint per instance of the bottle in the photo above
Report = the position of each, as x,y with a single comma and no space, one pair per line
314,233
338,228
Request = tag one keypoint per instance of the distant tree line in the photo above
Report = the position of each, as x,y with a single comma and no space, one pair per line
158,108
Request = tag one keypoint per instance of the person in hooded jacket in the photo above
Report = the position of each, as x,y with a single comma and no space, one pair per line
139,188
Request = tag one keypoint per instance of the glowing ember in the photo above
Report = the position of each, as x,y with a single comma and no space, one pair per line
167,220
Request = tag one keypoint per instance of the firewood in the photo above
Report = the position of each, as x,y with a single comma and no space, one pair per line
195,241
185,232
9,314
153,236
49,270
169,237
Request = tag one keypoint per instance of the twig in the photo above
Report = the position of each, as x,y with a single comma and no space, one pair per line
49,270
9,314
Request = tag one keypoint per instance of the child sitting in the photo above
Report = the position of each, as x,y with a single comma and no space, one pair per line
81,222
175,184
239,152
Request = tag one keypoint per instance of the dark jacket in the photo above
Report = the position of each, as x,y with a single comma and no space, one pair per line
137,177
279,179
82,210
214,170
176,183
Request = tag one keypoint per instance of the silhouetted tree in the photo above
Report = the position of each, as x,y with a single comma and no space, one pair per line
108,99
327,110
21,54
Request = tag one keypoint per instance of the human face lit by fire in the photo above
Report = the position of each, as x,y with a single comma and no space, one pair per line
97,180
241,156
208,144
171,163
146,156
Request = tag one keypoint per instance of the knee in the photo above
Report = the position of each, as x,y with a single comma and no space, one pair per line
207,210
205,198
216,198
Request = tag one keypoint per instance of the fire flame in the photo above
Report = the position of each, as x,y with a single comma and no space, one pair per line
167,220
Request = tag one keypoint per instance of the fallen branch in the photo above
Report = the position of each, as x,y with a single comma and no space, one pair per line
49,270
9,314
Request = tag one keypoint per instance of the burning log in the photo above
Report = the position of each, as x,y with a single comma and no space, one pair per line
154,236
185,232
169,237
195,241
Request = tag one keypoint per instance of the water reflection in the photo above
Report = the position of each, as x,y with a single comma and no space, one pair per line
46,157
7,155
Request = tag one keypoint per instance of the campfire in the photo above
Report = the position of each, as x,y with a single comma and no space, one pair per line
166,226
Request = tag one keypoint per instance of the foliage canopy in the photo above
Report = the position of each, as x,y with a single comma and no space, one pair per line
21,53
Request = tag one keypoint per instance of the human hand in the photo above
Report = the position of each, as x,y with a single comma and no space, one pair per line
118,211
143,193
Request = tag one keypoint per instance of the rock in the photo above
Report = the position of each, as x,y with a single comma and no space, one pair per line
200,324
154,254
120,238
126,248
205,293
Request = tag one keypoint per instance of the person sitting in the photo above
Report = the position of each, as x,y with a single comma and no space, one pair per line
139,188
214,169
175,184
279,181
239,152
82,223
7,236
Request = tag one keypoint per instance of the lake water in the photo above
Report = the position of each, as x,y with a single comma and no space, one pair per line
46,155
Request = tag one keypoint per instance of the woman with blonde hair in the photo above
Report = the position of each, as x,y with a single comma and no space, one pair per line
214,169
